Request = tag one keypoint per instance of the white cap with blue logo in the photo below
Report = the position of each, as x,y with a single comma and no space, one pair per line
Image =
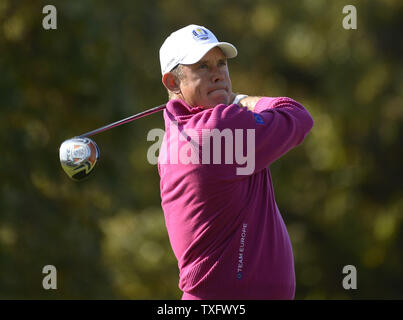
188,45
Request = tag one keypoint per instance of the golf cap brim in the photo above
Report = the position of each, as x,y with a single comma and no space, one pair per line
196,55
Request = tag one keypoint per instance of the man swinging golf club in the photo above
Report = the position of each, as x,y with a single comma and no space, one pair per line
224,227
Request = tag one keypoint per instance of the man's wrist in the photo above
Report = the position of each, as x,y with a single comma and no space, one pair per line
238,98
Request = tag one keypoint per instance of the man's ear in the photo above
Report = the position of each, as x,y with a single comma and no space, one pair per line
170,82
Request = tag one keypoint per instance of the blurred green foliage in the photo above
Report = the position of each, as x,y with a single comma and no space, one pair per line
340,192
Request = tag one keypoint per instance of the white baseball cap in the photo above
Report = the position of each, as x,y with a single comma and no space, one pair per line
188,45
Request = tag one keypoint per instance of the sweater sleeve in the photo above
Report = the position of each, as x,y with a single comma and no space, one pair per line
276,126
287,123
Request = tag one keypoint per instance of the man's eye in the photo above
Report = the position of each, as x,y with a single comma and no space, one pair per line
203,66
223,63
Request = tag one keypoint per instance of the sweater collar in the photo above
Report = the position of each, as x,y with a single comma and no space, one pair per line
179,107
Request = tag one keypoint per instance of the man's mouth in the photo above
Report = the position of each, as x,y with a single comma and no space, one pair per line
217,89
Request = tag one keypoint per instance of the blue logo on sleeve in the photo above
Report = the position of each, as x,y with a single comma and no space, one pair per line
258,118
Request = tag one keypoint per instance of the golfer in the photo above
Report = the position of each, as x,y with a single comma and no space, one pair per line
223,222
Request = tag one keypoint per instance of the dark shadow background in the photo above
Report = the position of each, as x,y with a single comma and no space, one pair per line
340,192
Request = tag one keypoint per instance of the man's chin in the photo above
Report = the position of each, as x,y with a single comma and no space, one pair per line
216,101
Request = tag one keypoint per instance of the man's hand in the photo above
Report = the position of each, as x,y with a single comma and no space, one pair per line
249,102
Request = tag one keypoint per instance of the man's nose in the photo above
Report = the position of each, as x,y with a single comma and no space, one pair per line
217,74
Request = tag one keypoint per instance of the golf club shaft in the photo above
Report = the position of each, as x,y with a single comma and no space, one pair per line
123,121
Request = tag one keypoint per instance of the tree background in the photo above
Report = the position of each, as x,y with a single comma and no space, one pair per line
340,192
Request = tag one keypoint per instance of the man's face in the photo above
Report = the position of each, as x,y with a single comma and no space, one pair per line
207,83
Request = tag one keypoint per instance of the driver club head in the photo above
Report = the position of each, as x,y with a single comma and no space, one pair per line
78,157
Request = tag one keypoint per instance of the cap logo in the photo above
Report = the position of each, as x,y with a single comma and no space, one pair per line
200,34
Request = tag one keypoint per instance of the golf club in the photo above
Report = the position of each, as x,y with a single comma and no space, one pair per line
79,155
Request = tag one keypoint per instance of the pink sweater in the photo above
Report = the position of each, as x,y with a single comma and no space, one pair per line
224,225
